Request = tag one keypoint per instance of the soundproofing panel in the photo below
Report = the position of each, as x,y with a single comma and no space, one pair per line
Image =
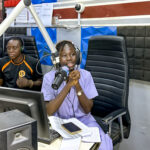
16,31
138,48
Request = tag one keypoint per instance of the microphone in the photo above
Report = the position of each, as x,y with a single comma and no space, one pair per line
60,76
66,69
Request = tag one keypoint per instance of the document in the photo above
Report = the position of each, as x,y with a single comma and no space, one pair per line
46,14
57,122
94,137
70,144
37,9
8,11
44,11
22,17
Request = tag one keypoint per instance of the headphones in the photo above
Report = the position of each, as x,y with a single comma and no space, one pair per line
78,53
18,39
21,48
61,44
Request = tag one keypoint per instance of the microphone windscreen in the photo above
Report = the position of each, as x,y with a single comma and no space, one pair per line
66,69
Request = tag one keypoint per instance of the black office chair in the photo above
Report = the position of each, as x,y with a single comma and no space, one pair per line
1,47
107,62
30,47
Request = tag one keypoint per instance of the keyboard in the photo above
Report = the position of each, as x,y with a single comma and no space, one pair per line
53,134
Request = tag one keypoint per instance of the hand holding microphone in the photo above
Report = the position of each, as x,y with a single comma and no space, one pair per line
62,74
74,77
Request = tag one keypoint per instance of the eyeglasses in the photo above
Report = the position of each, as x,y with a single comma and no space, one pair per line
12,47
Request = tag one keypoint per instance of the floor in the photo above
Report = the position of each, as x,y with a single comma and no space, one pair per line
139,107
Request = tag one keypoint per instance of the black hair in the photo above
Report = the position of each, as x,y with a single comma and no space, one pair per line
17,39
60,45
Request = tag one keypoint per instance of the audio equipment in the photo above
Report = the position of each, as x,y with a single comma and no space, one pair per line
21,49
17,131
78,53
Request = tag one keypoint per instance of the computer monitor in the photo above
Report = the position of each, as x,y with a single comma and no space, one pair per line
30,103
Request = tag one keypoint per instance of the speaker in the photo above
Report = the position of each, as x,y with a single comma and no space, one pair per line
17,131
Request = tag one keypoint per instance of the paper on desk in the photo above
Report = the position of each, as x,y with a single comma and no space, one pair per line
70,144
56,125
94,137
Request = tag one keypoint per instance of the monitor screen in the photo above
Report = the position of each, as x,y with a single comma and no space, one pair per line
29,102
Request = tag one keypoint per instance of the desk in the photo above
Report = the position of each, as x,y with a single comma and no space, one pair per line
55,145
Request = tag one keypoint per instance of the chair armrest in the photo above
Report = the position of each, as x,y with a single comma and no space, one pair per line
114,115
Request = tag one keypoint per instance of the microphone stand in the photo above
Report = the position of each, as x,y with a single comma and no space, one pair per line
16,11
60,75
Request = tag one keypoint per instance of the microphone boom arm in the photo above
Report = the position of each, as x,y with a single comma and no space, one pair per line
16,11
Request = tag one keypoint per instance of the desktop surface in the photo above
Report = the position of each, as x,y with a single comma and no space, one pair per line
56,144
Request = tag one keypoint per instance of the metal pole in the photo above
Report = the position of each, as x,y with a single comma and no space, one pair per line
15,12
42,29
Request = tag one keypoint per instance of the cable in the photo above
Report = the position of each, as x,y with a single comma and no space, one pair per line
38,64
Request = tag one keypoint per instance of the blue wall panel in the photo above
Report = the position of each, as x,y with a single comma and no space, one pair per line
87,32
42,46
43,1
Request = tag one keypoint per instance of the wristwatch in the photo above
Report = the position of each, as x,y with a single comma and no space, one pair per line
79,93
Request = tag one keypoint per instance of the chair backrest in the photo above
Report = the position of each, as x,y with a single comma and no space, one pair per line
107,62
30,47
1,47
